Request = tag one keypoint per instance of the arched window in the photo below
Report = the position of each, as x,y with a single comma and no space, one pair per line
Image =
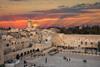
24,53
78,45
30,51
38,50
30,44
91,43
33,50
21,54
17,56
81,42
85,43
7,45
46,40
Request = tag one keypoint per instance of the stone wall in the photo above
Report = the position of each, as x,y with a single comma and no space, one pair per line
82,41
1,53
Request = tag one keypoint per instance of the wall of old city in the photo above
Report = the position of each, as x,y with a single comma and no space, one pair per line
81,41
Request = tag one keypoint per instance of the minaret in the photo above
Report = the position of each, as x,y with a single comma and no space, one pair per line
29,23
32,24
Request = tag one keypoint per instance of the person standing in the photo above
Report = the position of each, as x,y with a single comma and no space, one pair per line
46,60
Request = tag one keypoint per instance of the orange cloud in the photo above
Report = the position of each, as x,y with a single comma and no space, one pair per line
90,17
14,24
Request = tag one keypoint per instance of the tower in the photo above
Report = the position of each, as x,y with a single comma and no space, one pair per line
32,24
29,23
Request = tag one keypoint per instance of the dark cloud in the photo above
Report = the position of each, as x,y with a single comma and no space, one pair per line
62,6
5,18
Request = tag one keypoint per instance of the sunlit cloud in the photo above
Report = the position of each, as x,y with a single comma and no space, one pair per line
61,16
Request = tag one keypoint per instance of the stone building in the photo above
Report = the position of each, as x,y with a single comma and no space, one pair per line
21,43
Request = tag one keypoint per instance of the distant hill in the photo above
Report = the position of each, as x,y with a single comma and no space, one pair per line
81,30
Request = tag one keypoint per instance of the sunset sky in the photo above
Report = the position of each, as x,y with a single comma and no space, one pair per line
19,10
